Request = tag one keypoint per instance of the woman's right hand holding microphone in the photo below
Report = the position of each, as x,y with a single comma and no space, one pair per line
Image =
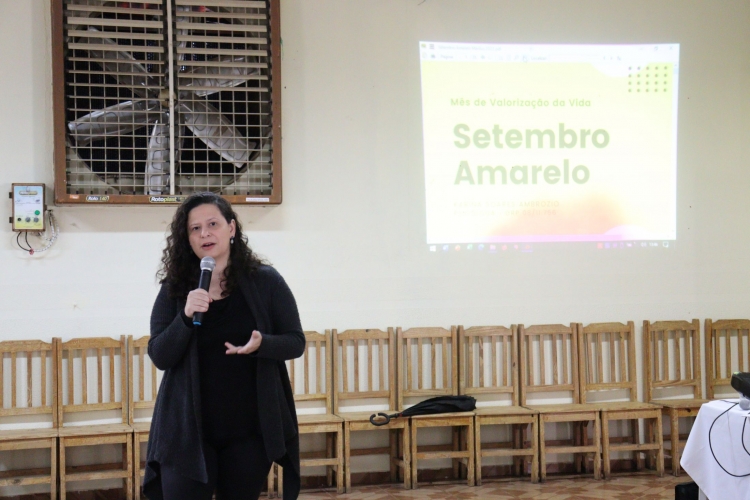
197,301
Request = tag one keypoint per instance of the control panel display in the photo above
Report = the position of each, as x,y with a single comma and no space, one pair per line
28,207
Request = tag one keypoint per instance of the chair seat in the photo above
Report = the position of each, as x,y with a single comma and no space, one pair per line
625,405
141,426
319,419
25,434
94,430
563,408
680,403
504,410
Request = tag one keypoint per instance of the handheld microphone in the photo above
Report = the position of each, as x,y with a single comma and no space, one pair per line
207,267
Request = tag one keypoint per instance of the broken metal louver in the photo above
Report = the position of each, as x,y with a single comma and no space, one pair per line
146,120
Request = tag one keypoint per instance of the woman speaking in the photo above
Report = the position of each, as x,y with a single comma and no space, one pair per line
225,409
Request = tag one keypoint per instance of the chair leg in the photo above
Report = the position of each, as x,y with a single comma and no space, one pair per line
659,439
53,470
535,447
279,481
136,466
470,468
478,451
517,443
62,469
129,466
527,440
401,451
270,481
414,482
675,431
463,444
456,463
650,437
340,457
640,463
605,444
598,454
393,444
468,437
329,454
406,456
577,441
585,442
542,453
347,458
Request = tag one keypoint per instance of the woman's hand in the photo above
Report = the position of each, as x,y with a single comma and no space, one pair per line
197,301
252,345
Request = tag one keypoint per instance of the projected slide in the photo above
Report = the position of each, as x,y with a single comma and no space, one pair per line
544,143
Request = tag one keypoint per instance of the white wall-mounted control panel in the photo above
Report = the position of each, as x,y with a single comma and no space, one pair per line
28,207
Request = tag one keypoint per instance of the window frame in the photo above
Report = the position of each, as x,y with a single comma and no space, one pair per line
62,197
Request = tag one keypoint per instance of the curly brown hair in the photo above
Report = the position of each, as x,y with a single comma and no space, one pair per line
180,265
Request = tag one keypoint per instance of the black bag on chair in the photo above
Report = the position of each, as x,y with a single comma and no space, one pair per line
686,491
440,404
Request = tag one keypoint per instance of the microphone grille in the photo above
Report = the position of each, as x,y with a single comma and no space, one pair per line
208,264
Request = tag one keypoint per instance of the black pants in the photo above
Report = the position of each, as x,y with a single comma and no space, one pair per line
236,471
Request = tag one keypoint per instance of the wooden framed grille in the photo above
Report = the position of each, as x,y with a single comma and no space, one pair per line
488,360
104,389
371,357
430,374
28,394
311,375
159,99
549,360
728,351
144,378
607,355
672,356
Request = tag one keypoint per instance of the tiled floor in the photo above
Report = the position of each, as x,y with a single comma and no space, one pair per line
618,488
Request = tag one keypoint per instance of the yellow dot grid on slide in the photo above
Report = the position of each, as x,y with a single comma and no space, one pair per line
650,78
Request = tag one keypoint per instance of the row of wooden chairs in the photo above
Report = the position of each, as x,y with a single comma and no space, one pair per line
61,396
519,363
94,391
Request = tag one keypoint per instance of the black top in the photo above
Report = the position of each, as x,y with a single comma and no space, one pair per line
229,396
176,435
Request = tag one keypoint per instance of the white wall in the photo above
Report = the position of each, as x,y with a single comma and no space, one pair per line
350,234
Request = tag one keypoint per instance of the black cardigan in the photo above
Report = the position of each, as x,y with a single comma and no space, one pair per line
176,430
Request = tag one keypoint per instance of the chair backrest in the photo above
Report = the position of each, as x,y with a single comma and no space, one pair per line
28,395
311,375
80,392
146,374
727,351
369,356
549,360
488,361
440,364
606,352
672,356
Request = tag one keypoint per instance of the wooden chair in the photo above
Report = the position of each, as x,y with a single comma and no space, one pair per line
31,398
549,364
141,401
81,405
727,351
412,366
673,362
488,367
365,370
606,352
314,383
